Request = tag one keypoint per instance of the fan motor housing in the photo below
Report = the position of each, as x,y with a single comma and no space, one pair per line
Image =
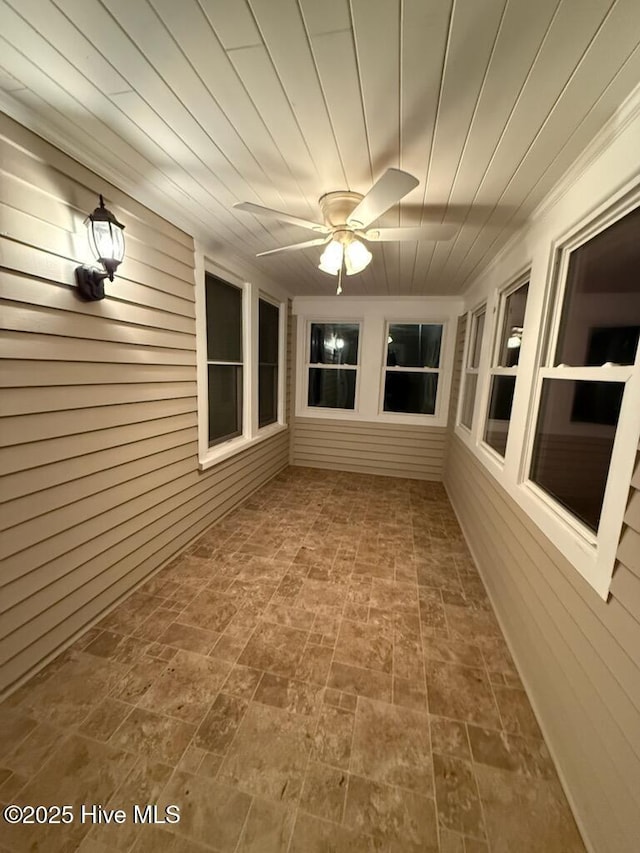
336,207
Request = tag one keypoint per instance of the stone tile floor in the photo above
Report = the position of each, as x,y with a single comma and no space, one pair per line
321,671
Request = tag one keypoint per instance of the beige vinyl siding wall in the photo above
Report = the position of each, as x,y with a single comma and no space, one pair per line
626,580
98,443
578,655
393,450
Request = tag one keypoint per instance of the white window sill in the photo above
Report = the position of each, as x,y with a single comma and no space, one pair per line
215,455
411,418
407,419
331,414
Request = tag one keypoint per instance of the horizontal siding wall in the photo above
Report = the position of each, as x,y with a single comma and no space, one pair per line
393,450
98,430
578,655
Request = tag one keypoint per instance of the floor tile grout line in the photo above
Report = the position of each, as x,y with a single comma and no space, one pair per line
429,717
477,786
374,522
312,750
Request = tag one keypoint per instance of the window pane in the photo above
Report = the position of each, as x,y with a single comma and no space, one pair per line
225,402
414,345
410,392
334,343
267,394
332,389
268,316
601,310
512,323
477,340
574,441
224,320
497,428
469,399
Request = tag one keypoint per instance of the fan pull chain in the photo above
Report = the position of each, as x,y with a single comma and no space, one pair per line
339,290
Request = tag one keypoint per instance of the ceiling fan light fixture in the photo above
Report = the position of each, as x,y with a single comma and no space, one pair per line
356,257
331,258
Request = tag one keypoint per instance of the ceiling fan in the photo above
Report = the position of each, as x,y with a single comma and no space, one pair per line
347,217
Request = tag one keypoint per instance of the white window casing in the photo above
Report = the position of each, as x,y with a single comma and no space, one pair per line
495,337
592,554
386,368
374,316
330,411
478,328
251,433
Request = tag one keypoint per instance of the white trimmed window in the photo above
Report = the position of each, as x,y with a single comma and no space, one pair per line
475,334
268,361
332,365
412,368
225,359
587,391
347,369
241,366
504,365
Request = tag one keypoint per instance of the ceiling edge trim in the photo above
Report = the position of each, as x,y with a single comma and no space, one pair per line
614,127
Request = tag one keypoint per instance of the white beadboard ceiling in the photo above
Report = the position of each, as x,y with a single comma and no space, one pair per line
197,104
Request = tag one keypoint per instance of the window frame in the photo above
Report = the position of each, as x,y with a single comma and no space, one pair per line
252,433
413,417
599,547
372,314
493,368
469,345
243,299
593,557
328,411
280,373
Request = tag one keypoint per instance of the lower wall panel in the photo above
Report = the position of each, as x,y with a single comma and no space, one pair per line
577,655
393,450
54,615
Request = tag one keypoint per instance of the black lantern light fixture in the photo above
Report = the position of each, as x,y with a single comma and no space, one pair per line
106,236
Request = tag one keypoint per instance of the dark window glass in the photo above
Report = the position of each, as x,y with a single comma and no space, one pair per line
224,320
500,403
601,310
225,402
332,389
410,392
268,316
469,399
477,341
512,324
414,345
573,443
334,343
267,395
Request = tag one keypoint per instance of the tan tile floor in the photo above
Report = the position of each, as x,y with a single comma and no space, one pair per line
321,671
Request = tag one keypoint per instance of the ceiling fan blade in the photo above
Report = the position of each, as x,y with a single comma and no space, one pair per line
434,232
387,191
248,207
319,241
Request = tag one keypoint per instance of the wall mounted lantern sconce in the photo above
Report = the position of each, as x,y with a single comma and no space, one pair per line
107,243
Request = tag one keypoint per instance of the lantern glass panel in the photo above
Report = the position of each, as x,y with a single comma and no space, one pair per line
107,240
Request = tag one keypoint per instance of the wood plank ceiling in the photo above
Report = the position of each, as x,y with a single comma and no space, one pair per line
197,104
